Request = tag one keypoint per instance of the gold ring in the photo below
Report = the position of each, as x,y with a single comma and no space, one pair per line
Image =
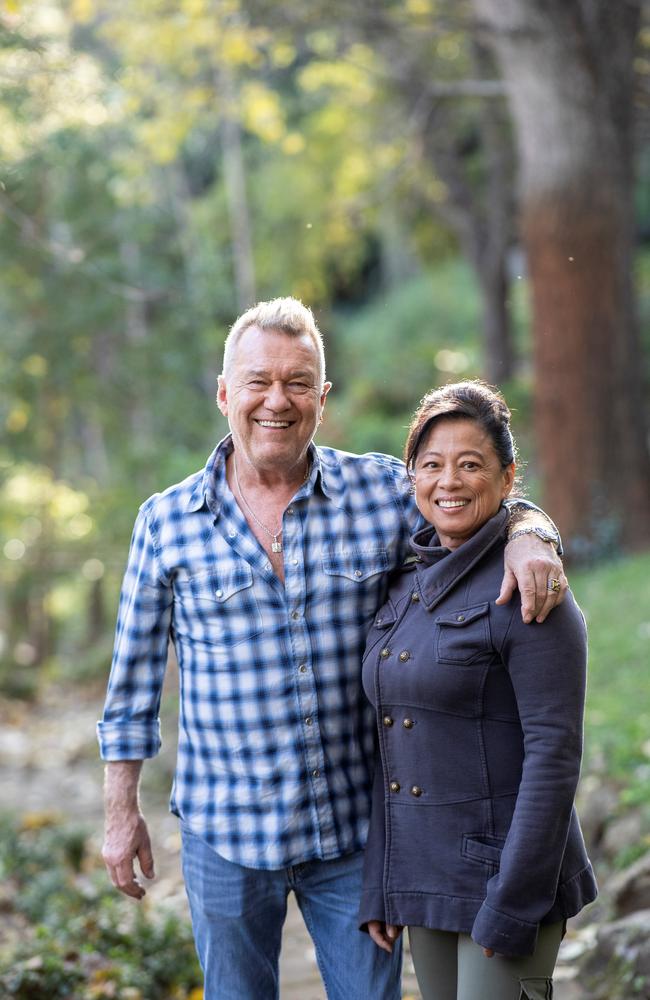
554,586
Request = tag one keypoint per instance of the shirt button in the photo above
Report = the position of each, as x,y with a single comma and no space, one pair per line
415,596
303,668
404,655
232,534
358,573
387,720
385,652
267,566
416,790
394,786
408,723
295,562
295,615
219,593
289,510
308,720
315,773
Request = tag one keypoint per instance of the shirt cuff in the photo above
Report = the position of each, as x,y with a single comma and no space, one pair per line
128,741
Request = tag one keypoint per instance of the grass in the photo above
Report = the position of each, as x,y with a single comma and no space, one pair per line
615,598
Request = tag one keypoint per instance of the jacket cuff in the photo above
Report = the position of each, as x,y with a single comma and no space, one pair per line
504,934
128,741
371,906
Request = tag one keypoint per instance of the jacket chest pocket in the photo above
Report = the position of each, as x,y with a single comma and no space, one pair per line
463,635
217,608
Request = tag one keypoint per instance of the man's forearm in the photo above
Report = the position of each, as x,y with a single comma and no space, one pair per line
527,518
121,785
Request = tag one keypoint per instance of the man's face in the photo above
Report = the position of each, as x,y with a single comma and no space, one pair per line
273,399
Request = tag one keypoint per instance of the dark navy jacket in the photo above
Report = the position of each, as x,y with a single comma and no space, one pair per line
480,738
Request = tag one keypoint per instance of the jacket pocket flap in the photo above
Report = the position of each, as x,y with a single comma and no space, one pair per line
482,847
463,616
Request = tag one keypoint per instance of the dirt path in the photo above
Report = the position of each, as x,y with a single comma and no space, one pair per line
49,764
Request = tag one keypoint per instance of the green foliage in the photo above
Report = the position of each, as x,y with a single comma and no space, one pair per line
80,938
615,598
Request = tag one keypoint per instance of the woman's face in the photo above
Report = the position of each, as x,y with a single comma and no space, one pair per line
459,482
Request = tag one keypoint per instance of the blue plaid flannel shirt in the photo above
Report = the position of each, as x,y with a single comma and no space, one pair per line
276,739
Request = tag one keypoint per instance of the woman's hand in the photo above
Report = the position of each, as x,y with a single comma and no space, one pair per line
384,935
488,952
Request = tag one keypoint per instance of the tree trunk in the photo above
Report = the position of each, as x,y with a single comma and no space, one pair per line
498,354
567,65
235,183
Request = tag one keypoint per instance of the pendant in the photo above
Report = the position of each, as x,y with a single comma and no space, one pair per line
276,546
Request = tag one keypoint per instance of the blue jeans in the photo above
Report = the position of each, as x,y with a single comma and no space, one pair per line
237,918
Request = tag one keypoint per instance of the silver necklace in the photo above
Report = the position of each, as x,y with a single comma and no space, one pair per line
276,544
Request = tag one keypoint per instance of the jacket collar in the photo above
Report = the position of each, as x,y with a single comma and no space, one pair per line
439,569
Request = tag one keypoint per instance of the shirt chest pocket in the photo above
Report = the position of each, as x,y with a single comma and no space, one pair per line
355,579
218,608
463,635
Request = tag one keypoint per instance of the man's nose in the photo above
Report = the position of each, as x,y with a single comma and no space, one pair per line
276,397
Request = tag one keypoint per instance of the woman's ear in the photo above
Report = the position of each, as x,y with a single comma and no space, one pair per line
508,479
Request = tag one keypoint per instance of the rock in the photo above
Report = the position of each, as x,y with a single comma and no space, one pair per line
622,833
597,802
629,890
619,966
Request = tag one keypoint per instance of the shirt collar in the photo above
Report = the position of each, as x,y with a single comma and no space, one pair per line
439,569
208,488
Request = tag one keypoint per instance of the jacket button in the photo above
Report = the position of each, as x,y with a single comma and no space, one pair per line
404,655
415,596
408,723
387,721
394,786
379,621
460,618
416,790
385,652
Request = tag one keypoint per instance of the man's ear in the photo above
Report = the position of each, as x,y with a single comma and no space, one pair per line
222,395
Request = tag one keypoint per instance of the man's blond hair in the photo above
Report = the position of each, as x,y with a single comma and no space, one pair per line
288,315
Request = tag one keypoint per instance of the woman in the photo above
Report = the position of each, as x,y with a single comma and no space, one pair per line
474,841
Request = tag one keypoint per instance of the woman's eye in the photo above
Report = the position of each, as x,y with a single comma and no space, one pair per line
470,466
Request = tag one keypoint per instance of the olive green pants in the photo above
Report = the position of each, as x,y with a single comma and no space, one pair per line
453,967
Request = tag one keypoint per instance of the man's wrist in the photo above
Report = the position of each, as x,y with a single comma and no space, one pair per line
546,535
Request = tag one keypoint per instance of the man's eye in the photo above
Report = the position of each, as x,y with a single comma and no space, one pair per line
298,386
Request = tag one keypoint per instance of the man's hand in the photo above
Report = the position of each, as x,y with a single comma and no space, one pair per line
532,565
126,836
384,935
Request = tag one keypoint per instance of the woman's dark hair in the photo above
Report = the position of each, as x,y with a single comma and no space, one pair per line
471,400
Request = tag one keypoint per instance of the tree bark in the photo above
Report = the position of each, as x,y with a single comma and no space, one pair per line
567,65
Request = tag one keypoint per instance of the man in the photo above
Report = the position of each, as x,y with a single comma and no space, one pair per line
265,569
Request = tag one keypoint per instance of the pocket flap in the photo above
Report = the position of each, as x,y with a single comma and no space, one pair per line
355,564
483,847
219,587
463,616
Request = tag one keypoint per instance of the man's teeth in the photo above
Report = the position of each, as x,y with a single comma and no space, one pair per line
452,503
273,423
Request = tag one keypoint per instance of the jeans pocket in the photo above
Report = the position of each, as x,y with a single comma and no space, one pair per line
536,989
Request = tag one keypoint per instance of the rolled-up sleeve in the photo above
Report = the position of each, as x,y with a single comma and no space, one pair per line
547,667
130,726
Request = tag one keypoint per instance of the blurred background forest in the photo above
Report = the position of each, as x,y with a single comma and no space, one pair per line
457,190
